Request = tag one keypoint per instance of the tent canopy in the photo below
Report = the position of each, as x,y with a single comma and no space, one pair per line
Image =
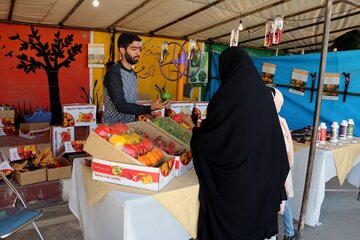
205,20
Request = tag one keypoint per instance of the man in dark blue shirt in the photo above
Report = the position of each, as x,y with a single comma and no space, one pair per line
121,85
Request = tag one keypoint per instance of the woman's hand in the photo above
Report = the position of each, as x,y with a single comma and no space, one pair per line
188,120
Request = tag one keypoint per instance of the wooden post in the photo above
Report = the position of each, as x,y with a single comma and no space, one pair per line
309,170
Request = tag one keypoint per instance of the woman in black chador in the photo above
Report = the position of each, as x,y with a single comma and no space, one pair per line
239,156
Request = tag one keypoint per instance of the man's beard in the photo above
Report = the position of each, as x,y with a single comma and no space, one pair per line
130,59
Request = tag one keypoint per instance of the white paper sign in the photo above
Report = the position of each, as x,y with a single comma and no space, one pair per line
298,79
268,73
96,55
331,86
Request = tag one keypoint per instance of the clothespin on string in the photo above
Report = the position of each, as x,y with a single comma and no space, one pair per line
313,79
347,81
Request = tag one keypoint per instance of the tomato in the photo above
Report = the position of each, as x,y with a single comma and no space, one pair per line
119,128
103,131
131,150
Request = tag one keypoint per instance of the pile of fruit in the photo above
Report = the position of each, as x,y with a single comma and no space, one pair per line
131,143
168,147
174,129
44,159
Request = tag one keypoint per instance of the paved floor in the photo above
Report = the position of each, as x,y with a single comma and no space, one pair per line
340,217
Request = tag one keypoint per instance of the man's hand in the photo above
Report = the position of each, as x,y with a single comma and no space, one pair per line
157,105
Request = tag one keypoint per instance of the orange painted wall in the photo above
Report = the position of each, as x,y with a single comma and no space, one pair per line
16,86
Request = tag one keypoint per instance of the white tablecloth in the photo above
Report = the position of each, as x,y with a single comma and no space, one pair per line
324,169
121,215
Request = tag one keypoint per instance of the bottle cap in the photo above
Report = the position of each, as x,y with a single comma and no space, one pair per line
322,125
350,121
344,123
335,124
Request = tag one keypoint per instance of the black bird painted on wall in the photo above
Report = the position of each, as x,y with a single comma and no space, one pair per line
9,54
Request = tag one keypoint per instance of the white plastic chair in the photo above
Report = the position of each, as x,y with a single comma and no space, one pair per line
12,219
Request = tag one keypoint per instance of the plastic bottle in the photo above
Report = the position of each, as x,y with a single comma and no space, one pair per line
350,128
343,127
323,133
318,135
334,132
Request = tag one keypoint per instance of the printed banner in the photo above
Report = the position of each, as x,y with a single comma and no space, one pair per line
268,73
298,79
199,70
331,86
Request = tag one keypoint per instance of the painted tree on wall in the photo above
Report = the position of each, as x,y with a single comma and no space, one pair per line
50,57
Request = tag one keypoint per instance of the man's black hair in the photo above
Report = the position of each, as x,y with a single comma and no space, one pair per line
125,39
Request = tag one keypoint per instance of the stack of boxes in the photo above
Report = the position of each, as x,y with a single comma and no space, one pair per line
7,122
63,137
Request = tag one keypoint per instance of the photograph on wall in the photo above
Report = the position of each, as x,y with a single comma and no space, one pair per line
298,81
331,86
199,67
268,73
96,55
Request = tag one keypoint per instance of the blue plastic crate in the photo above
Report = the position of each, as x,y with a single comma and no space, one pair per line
39,115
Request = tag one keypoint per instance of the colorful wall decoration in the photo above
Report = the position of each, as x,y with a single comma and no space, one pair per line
42,67
46,67
147,68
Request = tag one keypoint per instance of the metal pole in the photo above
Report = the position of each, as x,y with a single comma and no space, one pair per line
309,170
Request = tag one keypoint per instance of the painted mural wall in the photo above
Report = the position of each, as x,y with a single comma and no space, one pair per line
42,67
46,67
147,69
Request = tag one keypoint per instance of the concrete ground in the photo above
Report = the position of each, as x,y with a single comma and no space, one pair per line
340,218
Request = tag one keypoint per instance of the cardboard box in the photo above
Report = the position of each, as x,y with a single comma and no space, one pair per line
26,178
183,162
71,147
79,115
72,156
7,113
177,107
33,130
150,178
59,172
172,128
200,109
59,135
23,152
99,148
7,122
7,131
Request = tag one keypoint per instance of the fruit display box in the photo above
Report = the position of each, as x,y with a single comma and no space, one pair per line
7,118
22,152
59,172
79,115
59,135
200,109
72,147
150,178
177,107
170,127
179,151
99,148
7,131
30,177
154,114
33,130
